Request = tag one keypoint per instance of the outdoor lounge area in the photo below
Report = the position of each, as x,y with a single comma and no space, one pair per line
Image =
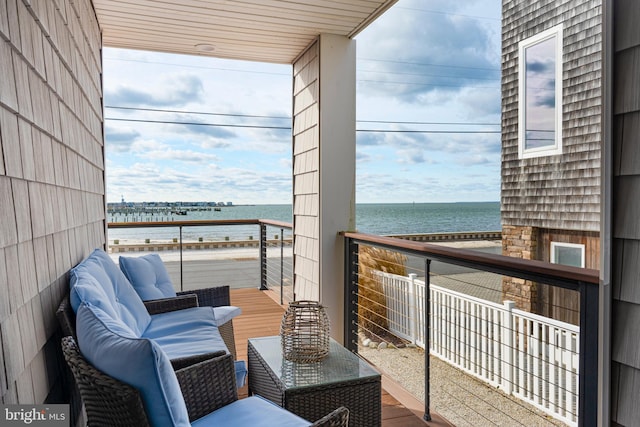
53,188
126,331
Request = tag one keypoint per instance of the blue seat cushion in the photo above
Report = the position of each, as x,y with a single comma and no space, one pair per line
253,411
99,281
139,362
187,332
148,276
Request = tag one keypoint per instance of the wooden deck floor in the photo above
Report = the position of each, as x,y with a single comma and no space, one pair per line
261,316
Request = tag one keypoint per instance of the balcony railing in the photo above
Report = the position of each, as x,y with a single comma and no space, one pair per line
272,248
541,361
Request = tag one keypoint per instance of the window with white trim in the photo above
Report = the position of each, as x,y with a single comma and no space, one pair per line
540,94
567,254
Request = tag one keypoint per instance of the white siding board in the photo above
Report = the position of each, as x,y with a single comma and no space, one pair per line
38,370
26,264
10,143
8,227
8,94
22,209
14,28
24,386
43,278
21,72
27,332
39,330
4,23
13,357
27,155
5,308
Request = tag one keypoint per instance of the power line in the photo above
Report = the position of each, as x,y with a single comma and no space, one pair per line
289,128
161,110
428,131
168,122
429,123
196,112
425,84
424,64
431,75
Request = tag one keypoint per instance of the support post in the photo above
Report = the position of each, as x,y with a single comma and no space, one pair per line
588,387
351,295
427,339
282,266
263,257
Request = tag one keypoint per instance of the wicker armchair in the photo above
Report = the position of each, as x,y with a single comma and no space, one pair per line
206,387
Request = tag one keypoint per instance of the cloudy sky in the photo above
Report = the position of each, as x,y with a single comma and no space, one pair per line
428,73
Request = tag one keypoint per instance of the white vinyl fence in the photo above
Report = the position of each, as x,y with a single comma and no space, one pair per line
529,356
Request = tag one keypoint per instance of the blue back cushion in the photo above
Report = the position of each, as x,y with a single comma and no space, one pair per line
99,281
148,276
138,362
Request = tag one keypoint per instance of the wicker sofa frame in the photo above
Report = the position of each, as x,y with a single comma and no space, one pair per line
206,386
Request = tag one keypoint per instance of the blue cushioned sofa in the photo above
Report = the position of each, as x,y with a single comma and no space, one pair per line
151,281
184,334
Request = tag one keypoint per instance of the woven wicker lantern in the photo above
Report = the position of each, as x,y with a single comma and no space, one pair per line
304,332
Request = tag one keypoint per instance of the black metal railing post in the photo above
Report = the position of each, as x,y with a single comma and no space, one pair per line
351,295
263,257
588,387
427,339
281,266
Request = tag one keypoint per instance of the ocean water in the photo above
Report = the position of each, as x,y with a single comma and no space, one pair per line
382,219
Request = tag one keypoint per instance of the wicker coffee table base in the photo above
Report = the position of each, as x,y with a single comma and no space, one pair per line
361,397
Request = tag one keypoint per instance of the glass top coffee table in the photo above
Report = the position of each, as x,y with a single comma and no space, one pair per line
312,390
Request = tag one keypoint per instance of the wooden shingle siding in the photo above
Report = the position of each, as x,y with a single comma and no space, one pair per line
52,209
561,191
625,352
306,180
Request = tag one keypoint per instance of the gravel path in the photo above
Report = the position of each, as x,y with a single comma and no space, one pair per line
460,398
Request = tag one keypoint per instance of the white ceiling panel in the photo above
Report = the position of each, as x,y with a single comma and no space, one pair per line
255,30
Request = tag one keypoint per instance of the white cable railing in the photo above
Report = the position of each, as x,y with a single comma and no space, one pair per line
526,355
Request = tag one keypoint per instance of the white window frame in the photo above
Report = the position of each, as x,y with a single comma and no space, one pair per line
555,245
522,46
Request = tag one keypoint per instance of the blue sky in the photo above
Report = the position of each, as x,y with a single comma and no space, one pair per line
435,63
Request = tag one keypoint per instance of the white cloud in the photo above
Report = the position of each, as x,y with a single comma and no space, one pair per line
433,63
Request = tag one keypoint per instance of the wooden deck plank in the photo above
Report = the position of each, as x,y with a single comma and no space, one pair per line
261,316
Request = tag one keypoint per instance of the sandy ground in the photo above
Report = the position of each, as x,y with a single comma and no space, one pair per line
458,397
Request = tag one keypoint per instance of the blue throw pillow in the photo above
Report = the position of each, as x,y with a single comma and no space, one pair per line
138,362
99,281
148,276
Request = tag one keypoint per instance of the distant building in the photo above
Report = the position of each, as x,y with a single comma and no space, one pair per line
551,143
